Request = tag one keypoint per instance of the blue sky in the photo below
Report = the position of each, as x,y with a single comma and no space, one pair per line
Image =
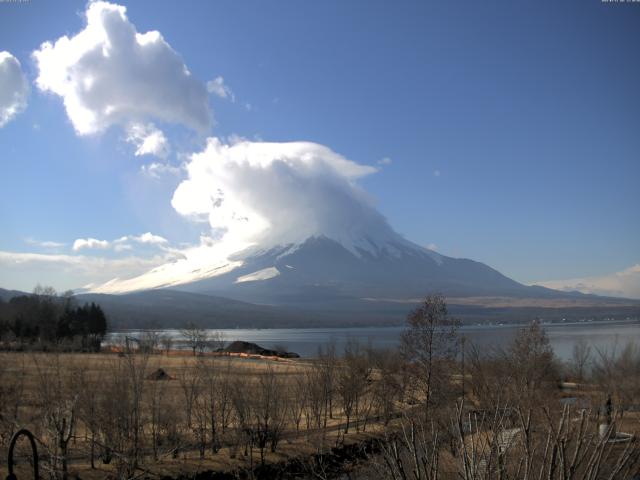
511,128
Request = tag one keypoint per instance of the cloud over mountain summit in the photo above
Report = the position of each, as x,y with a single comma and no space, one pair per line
271,192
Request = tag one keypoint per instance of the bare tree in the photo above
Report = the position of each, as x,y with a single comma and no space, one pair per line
201,415
122,419
195,337
533,362
326,363
189,380
269,410
58,399
490,376
387,389
88,409
213,397
12,386
353,380
314,406
298,394
224,390
161,417
136,367
580,359
429,346
413,452
559,446
241,395
616,372
149,341
166,341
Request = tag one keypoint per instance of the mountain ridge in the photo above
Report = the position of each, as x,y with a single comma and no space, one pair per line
164,308
324,281
396,270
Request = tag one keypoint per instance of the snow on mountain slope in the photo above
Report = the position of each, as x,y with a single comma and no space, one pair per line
264,274
195,264
248,264
322,269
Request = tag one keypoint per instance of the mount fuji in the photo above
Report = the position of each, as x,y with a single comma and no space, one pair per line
298,236
378,265
325,281
322,269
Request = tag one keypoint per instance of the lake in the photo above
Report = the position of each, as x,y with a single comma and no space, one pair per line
305,341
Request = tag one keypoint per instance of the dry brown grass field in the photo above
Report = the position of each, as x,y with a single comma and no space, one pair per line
424,409
36,383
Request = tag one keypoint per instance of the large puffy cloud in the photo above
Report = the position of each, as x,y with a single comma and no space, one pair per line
109,74
260,194
278,193
625,283
14,88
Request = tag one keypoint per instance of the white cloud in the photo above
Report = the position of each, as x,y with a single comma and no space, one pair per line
14,88
625,283
109,74
119,244
145,238
148,140
279,192
82,243
221,89
432,246
44,244
122,247
157,170
24,270
126,256
385,161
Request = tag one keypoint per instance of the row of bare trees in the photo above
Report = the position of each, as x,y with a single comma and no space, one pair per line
451,409
502,417
115,410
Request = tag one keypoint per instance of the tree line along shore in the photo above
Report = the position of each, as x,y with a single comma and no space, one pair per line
46,321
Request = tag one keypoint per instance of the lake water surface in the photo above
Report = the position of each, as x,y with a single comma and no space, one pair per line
305,341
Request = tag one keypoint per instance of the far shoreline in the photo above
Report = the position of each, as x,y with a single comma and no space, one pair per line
467,326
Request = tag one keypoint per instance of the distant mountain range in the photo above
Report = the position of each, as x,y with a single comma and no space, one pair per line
326,281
